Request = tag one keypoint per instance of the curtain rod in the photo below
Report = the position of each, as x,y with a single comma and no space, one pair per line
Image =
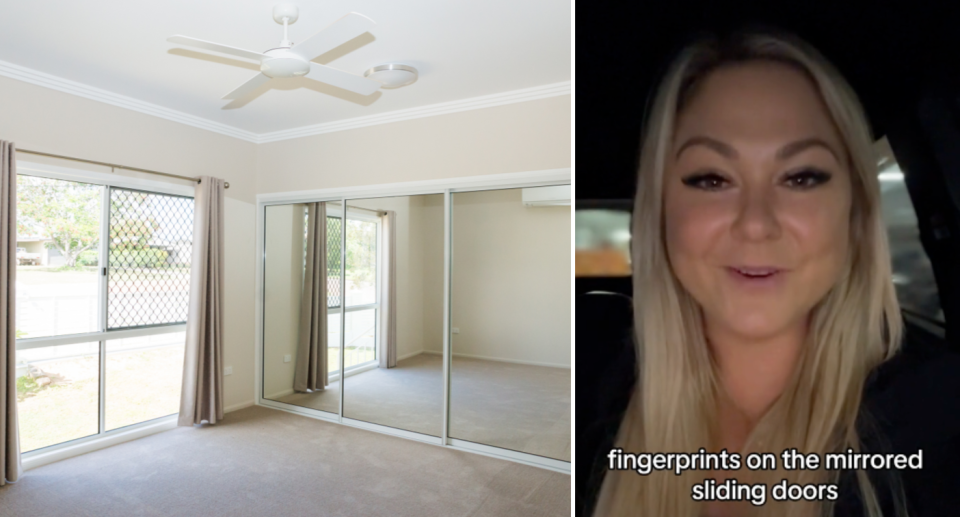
114,166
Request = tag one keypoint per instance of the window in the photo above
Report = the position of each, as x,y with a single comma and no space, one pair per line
602,240
149,267
912,271
58,226
102,290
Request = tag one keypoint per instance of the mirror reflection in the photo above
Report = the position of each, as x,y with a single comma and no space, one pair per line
301,340
510,310
394,312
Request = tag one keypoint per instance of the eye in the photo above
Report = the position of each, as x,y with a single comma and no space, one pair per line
706,181
807,178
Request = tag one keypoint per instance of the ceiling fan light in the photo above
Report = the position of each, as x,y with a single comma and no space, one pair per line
280,63
392,75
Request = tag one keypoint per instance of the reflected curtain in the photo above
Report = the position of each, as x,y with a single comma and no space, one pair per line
202,395
10,466
311,368
388,290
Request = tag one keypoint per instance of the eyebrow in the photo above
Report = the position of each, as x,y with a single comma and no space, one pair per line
784,153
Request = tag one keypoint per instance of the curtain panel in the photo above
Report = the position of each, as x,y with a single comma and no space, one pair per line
202,396
311,371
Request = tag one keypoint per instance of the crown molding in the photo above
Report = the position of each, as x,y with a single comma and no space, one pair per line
486,101
499,181
53,82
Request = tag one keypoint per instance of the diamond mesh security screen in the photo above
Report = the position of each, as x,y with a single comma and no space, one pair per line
151,238
333,261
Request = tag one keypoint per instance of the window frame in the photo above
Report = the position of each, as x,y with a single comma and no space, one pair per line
884,157
106,181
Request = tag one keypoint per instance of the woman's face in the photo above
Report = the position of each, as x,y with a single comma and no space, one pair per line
757,199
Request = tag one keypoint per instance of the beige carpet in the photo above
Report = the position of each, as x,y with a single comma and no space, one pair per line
519,407
266,462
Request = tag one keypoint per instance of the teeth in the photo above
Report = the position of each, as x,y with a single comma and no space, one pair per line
756,272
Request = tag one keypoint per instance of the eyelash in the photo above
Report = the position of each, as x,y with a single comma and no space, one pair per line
808,175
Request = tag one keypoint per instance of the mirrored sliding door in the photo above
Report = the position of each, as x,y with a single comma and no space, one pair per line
510,318
394,313
443,316
302,299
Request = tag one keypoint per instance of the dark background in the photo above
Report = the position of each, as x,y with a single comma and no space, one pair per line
886,51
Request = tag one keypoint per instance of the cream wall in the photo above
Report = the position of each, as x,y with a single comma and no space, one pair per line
526,136
511,279
47,120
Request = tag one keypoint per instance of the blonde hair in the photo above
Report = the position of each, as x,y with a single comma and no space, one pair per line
853,329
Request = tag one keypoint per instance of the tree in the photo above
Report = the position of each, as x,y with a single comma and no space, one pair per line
132,222
66,212
361,251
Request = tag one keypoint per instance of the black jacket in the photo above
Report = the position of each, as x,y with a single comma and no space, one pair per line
914,399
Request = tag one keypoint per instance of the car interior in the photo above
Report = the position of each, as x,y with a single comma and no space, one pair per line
905,76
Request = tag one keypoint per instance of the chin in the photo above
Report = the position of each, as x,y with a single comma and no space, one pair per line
756,325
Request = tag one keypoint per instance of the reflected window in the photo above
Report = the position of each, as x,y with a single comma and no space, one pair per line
602,242
361,270
912,271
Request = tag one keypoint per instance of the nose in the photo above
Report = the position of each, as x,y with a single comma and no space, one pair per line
757,216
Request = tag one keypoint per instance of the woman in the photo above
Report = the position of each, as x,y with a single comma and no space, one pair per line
766,317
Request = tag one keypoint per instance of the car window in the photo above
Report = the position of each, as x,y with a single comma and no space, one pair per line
912,271
602,239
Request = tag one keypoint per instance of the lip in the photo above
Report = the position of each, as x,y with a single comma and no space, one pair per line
756,271
756,276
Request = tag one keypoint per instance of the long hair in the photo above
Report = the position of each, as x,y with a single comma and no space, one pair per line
853,329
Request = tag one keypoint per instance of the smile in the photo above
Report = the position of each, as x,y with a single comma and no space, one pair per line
756,272
748,276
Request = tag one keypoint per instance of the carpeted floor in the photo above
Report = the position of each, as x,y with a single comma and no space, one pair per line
266,462
519,407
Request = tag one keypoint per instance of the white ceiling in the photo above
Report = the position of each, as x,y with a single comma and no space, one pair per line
463,49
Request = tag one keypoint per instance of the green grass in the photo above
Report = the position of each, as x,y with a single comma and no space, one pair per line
61,411
141,385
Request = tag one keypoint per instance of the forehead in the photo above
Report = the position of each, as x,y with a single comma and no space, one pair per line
756,101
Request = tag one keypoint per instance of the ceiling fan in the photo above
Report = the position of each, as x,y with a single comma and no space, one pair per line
289,60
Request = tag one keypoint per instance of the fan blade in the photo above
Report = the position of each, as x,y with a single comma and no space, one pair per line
340,79
216,47
247,87
336,34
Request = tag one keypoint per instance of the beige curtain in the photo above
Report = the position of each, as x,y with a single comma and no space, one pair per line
311,368
202,396
9,436
388,290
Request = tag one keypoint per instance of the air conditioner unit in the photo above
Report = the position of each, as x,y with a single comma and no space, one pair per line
547,196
